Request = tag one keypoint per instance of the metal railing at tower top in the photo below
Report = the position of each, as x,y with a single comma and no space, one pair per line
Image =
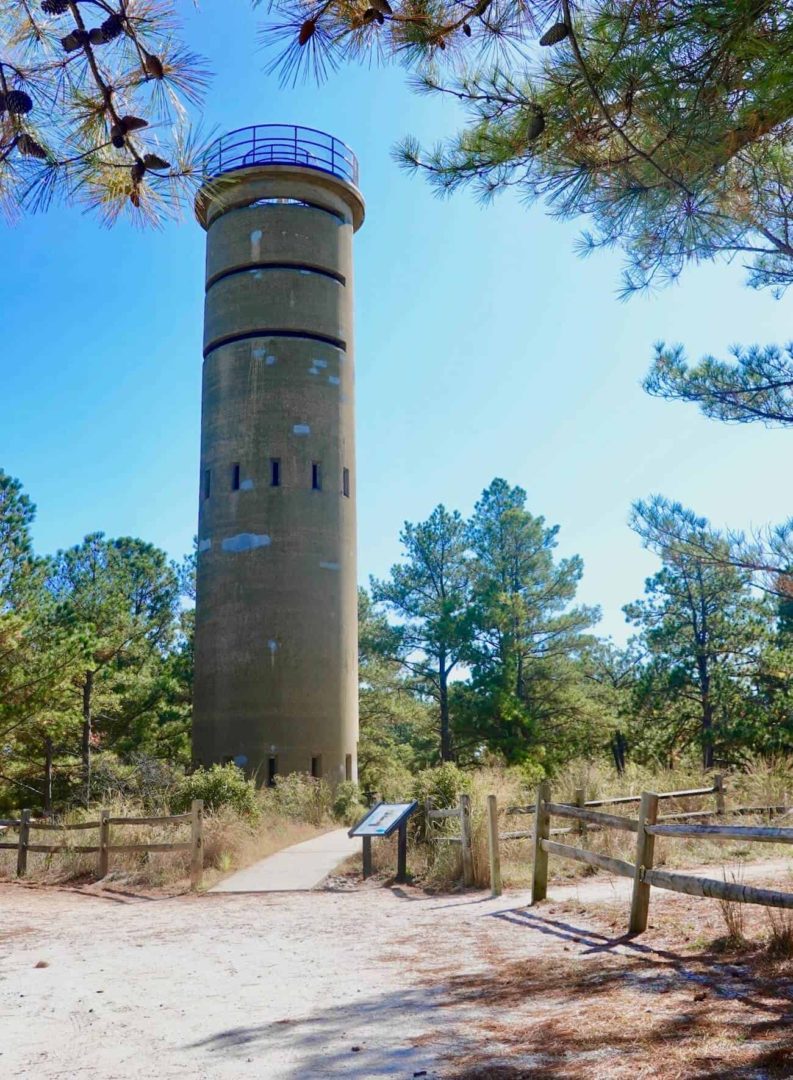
280,144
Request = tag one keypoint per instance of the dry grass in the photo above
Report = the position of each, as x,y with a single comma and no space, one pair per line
230,842
437,865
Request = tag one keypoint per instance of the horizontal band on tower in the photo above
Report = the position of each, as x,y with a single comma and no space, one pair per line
248,335
253,266
273,201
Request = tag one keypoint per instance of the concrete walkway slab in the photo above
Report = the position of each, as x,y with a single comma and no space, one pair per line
296,868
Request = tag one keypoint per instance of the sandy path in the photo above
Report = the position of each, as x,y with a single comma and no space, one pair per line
272,985
285,986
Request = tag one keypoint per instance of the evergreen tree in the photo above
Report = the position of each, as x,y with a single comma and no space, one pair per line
398,736
121,597
703,633
525,691
757,387
667,124
429,594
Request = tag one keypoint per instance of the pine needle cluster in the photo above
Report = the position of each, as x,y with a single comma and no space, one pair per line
668,124
93,107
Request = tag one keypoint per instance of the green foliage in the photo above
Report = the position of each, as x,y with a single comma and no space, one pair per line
525,652
443,784
430,596
92,87
300,797
703,635
347,804
397,734
667,124
756,386
218,786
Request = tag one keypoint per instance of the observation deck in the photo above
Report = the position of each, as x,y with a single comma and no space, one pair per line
280,144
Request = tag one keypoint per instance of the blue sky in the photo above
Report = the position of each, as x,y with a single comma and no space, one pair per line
484,348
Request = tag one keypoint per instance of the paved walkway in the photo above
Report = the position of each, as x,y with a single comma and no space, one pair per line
295,869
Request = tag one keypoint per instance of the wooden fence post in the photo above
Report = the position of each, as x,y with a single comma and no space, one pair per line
492,843
402,853
465,836
645,847
22,849
366,856
580,800
197,840
104,842
542,828
718,787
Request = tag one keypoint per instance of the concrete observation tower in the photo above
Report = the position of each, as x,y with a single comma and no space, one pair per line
276,685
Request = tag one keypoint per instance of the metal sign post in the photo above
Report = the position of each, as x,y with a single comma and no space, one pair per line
382,820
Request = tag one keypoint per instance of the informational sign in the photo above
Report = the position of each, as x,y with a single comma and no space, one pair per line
383,819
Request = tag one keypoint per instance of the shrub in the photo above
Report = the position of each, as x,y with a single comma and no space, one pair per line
443,784
222,785
299,797
347,804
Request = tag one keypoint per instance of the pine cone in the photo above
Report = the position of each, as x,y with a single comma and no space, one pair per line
18,102
113,26
306,31
152,65
151,161
74,40
27,145
558,32
536,125
54,7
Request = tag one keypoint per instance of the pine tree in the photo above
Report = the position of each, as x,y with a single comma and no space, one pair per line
92,107
667,124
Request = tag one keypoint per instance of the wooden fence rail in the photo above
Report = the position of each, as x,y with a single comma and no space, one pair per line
462,812
104,848
717,788
644,875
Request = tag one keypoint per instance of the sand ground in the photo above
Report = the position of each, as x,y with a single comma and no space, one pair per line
373,982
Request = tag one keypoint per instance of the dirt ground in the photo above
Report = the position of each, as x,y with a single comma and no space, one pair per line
383,982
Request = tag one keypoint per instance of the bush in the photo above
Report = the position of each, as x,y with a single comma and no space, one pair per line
299,797
222,785
347,804
443,785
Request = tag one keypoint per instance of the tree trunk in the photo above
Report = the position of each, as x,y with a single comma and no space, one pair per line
88,686
446,735
48,776
707,712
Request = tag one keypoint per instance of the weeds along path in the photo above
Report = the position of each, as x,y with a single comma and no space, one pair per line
373,983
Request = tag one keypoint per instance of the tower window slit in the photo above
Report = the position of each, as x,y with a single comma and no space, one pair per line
316,476
275,472
348,767
345,483
272,771
207,482
316,766
235,476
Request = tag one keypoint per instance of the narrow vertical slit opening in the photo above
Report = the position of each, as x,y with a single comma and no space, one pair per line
207,486
348,767
316,766
275,472
316,476
272,771
345,483
235,476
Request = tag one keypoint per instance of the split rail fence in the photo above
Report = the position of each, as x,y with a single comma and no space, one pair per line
462,813
647,826
27,825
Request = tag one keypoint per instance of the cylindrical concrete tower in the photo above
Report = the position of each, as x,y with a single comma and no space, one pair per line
276,686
